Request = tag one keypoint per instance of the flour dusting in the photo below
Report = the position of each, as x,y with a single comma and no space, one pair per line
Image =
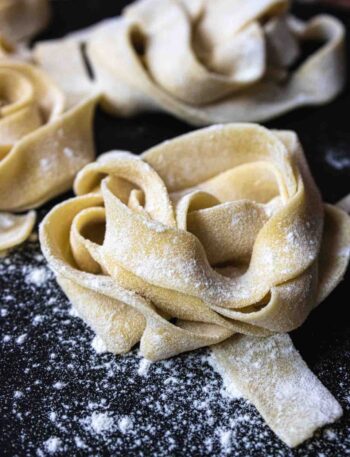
143,367
101,422
124,424
37,276
63,395
99,345
6,221
52,445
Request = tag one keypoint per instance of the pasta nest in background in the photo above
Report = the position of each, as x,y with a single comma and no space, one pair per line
42,145
203,61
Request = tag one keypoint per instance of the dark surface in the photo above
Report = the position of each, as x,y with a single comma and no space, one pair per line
177,408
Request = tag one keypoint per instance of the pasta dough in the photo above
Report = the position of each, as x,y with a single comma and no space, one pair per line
21,19
42,145
205,62
218,232
272,375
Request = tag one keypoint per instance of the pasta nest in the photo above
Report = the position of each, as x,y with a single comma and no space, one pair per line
217,232
203,61
42,145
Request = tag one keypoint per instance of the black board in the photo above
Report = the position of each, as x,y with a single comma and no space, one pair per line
59,397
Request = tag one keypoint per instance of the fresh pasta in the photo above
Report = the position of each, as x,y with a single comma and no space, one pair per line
204,62
217,238
42,145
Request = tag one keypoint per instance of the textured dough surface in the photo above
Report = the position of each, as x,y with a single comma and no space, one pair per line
205,62
271,374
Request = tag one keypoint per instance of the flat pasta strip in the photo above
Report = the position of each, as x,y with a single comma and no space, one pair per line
270,373
202,61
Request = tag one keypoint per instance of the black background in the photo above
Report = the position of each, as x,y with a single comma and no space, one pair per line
324,340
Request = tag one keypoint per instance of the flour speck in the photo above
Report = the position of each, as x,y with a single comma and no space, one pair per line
101,422
37,276
99,345
143,367
21,339
225,438
53,445
69,153
124,424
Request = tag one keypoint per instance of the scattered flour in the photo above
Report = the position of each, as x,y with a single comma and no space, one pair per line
99,345
116,404
73,312
225,439
337,160
79,443
37,276
143,367
101,422
53,445
21,339
38,319
124,424
154,225
330,435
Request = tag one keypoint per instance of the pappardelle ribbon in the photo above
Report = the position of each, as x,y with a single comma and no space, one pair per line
42,145
215,233
203,61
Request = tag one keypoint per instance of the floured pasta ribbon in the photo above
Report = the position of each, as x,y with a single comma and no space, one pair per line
21,19
213,234
42,145
203,61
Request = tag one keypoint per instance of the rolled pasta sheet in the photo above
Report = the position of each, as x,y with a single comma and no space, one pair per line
42,144
205,62
218,232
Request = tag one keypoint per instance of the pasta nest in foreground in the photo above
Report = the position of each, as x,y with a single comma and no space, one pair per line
216,232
